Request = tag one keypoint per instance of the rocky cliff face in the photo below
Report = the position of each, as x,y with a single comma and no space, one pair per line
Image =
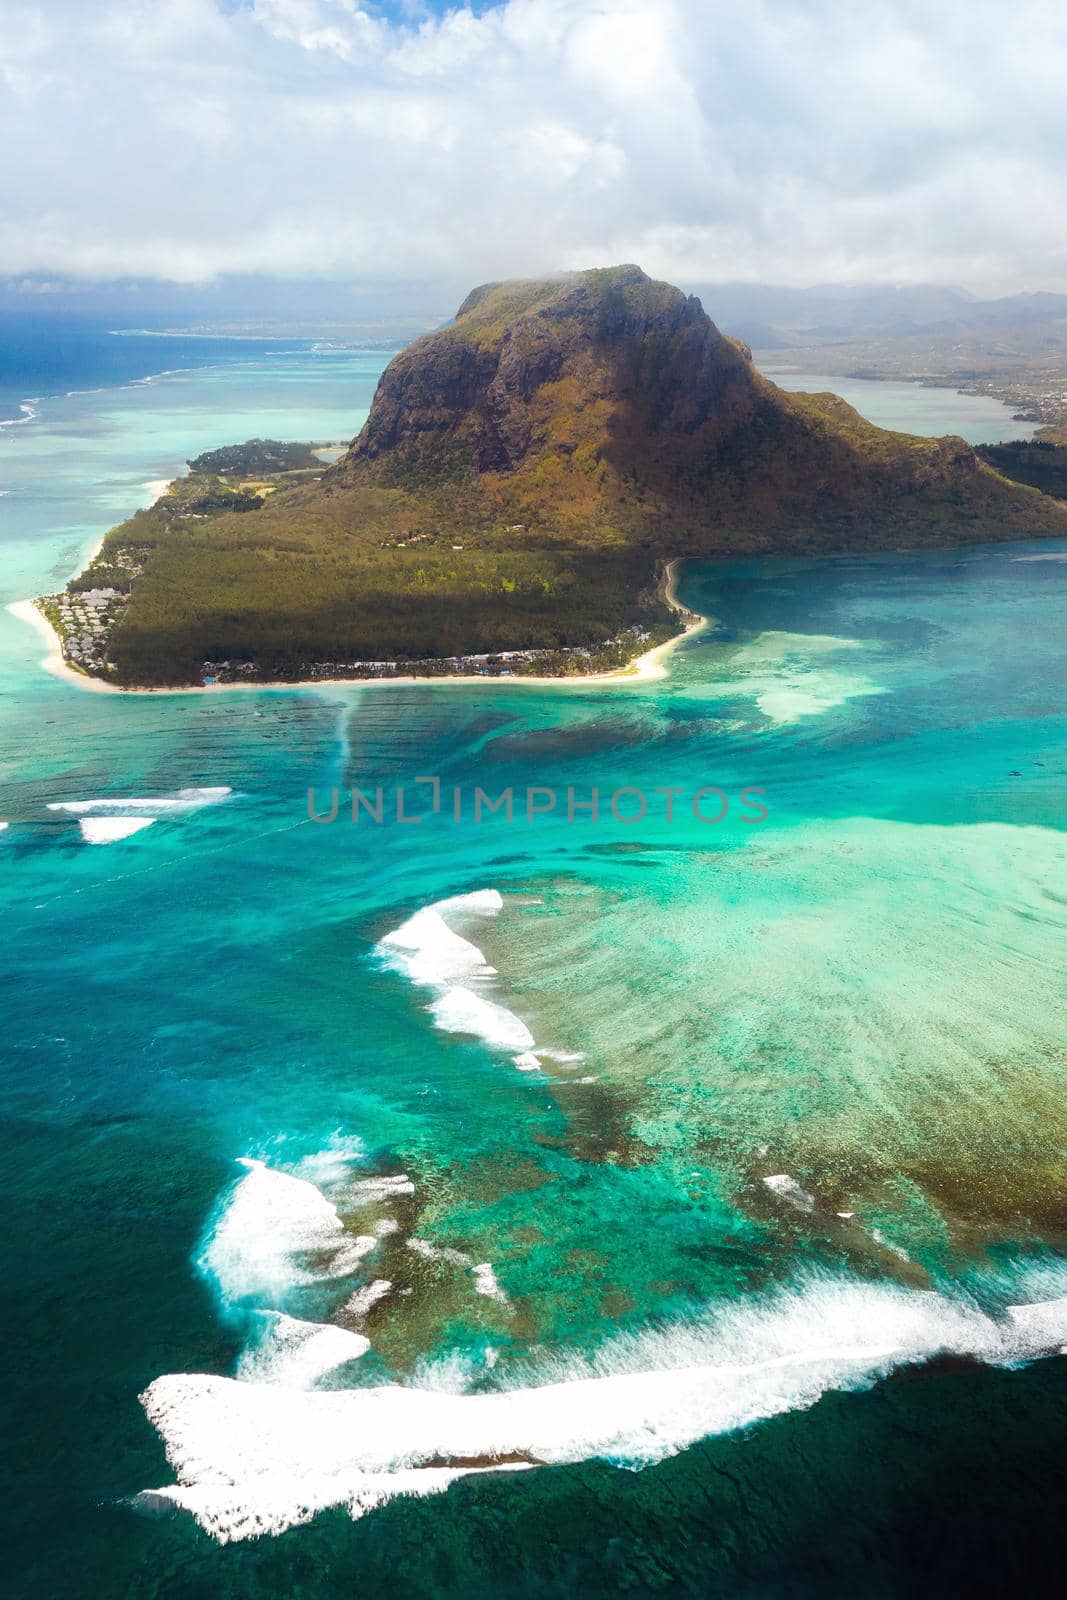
606,405
637,350
520,480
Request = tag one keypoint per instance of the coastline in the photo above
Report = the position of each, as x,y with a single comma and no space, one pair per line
53,662
642,669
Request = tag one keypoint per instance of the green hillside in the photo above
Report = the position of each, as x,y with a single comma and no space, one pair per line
521,480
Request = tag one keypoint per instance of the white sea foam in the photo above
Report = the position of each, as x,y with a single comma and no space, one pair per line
333,1163
382,1186
258,1249
253,1458
485,1279
276,1237
1041,1326
353,1249
436,1252
107,830
887,1244
29,410
295,1353
485,1283
426,950
358,1304
460,1010
789,1189
229,1514
180,800
456,1372
430,953
477,903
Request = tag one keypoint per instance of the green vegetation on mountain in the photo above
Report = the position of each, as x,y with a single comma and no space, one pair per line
259,456
522,477
1039,462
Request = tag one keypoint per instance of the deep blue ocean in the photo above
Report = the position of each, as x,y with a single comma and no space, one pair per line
661,1193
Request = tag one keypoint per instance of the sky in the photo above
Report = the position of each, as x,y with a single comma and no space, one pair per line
801,141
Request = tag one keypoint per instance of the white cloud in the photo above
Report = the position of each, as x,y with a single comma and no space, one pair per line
785,140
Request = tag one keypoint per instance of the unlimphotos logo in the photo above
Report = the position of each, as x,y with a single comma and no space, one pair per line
459,803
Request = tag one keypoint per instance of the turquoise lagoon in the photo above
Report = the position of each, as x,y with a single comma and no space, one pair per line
704,1176
912,407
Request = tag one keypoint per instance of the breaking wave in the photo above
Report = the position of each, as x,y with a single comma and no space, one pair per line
180,800
296,1354
276,1234
459,1010
252,1458
428,951
107,830
28,411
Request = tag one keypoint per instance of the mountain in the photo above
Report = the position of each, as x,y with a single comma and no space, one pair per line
767,316
522,477
867,313
606,405
913,331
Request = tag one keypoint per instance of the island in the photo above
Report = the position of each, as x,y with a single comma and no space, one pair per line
512,506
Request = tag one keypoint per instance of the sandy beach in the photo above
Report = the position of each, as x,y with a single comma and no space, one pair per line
53,662
642,669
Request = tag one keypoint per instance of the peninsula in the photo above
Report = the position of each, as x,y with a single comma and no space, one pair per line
523,479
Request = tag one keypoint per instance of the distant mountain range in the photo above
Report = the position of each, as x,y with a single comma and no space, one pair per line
933,328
